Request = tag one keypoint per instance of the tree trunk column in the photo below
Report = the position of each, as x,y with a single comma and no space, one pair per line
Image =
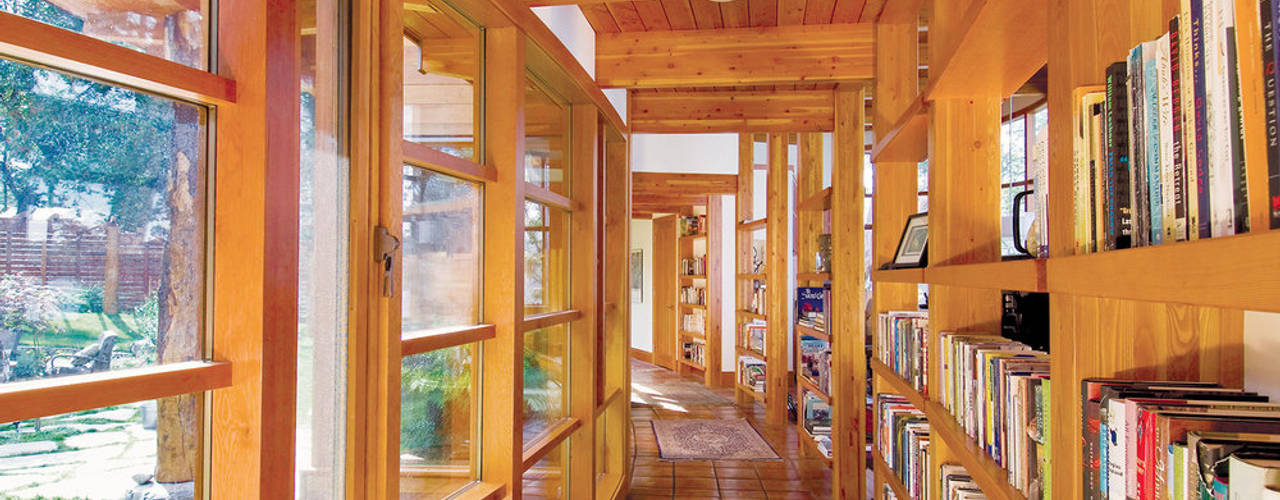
111,271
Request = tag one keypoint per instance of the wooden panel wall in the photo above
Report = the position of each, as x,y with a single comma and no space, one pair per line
778,227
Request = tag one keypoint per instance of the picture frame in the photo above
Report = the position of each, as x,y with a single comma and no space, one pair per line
637,275
913,245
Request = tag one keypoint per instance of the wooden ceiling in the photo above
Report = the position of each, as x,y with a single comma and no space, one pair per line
608,16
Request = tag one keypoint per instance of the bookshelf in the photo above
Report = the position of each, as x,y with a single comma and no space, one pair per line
697,297
814,347
1172,311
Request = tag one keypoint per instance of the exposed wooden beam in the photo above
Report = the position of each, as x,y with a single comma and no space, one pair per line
765,111
736,56
650,183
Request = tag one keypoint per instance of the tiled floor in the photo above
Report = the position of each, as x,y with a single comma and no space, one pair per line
795,476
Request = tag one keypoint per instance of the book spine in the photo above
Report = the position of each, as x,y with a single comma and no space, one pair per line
1221,158
1137,151
1163,177
1118,151
1239,170
1202,139
1179,165
1270,12
1151,88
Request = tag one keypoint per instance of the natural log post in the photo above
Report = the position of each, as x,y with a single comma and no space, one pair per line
111,271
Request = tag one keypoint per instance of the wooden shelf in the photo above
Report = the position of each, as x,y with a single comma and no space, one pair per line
751,225
808,331
693,306
693,237
808,385
748,390
897,385
756,277
915,275
810,444
1004,43
1027,275
693,335
907,141
1239,272
688,363
818,202
887,476
806,277
689,277
743,351
749,314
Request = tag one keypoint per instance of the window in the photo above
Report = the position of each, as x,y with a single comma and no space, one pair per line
546,353
441,251
1013,175
546,479
102,217
441,79
546,266
437,415
546,147
177,31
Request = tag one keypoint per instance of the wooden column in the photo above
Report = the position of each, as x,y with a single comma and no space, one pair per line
743,202
502,432
848,297
778,227
808,183
715,243
584,270
617,293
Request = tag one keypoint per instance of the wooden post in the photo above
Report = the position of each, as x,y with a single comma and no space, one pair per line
848,297
111,271
809,174
584,271
617,286
778,227
502,432
743,208
715,241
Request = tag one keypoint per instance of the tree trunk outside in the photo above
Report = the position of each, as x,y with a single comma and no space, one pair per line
111,273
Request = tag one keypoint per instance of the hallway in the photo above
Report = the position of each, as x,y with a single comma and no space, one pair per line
660,394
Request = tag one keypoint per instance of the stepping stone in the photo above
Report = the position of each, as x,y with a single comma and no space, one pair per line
96,439
14,449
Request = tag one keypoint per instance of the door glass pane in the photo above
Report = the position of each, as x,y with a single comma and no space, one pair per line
437,411
322,257
102,226
441,89
546,140
441,250
546,479
173,30
106,453
545,378
546,253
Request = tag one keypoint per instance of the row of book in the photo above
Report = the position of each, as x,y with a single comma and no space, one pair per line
817,420
815,362
695,352
753,335
957,484
694,322
693,295
1160,149
1178,440
693,225
901,344
757,302
813,307
998,391
751,373
903,437
694,266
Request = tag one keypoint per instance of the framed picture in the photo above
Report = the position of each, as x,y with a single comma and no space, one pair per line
637,276
913,246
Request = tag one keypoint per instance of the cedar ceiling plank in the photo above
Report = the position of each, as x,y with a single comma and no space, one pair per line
598,16
819,11
706,14
706,112
762,12
901,12
847,11
657,185
679,14
625,15
652,15
871,12
790,12
734,14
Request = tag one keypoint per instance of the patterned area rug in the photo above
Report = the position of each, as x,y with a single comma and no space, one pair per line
726,439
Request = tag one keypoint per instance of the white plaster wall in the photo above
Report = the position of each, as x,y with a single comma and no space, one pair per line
1261,346
642,313
573,30
685,153
728,295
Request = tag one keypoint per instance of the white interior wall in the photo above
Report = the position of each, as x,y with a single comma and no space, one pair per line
642,313
568,24
728,278
1261,345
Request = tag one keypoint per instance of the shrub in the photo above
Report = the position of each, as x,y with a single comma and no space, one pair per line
90,300
27,306
29,363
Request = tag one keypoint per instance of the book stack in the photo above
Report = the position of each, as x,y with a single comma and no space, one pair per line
693,295
694,351
817,421
903,435
694,266
753,335
998,391
1160,151
813,307
693,322
901,343
693,225
1179,440
815,362
751,373
957,484
757,302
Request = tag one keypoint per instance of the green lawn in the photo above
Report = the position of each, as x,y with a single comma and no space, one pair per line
81,329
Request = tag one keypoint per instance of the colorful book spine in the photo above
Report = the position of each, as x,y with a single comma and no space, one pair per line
1119,207
1151,114
1137,148
1178,181
1201,120
1271,58
1239,175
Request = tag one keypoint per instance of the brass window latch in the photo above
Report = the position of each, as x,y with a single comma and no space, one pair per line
386,246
